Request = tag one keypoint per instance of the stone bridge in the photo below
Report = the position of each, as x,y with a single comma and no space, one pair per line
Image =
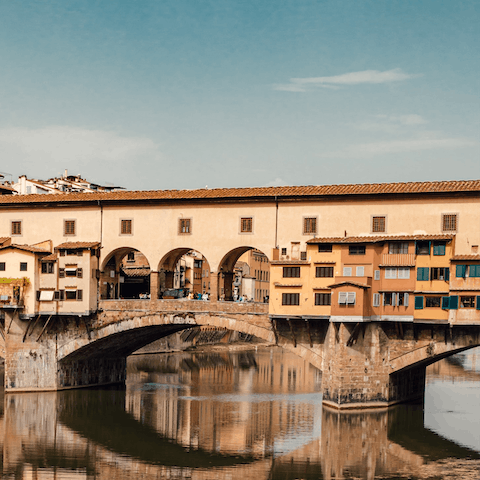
371,364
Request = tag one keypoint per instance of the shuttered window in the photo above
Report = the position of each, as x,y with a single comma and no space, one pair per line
322,299
290,299
423,274
17,227
474,271
418,303
309,225
321,272
461,271
291,272
184,226
126,227
246,225
438,248
378,224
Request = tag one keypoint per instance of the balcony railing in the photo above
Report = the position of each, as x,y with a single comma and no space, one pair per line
398,260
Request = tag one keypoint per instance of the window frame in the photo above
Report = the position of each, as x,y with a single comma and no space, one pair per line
290,299
67,223
13,224
49,268
183,227
325,247
357,249
3,266
433,299
126,231
323,299
374,227
241,229
291,272
24,266
306,220
322,269
463,299
397,245
445,221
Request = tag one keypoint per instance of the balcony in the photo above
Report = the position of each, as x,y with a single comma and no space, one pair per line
398,260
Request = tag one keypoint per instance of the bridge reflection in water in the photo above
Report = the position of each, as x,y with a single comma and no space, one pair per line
216,416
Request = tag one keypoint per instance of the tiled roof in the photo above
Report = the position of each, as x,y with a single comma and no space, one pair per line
379,238
50,258
77,245
355,284
277,284
407,188
136,272
465,257
26,248
3,240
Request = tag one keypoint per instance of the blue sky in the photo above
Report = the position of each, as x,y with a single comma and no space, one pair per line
177,94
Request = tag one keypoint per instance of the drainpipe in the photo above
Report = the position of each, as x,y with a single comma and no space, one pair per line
276,221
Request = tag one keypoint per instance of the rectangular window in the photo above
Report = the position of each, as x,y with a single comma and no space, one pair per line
346,298
360,271
47,267
71,271
390,272
378,225
284,251
433,302
290,299
291,272
439,248
309,225
423,274
324,247
131,257
125,227
422,247
342,298
467,302
449,222
461,271
397,247
70,294
184,226
356,249
439,273
246,225
377,275
347,271
321,272
303,255
388,298
16,227
69,227
376,299
23,266
474,271
2,266
403,272
323,299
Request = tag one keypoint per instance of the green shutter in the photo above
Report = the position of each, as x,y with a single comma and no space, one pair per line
422,274
418,303
445,303
447,274
454,302
478,303
474,271
439,249
461,271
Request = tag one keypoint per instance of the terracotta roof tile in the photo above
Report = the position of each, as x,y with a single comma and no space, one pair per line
379,238
77,245
406,188
136,272
50,258
465,257
289,262
26,248
355,284
3,240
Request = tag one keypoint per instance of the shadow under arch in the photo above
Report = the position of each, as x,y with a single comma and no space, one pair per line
183,272
125,273
232,276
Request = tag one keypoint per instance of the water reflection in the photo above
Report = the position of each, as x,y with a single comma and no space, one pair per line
217,415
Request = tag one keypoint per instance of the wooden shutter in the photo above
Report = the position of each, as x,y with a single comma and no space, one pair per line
453,303
79,294
418,303
61,273
79,272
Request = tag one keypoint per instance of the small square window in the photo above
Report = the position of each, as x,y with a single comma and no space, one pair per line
379,224
125,227
184,226
69,227
323,299
23,266
449,222
324,247
356,249
2,266
17,227
303,255
246,225
47,267
309,225
284,251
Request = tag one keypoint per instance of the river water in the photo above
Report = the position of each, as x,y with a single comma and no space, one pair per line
241,415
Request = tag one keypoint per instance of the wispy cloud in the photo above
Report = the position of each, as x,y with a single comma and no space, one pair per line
346,79
277,182
391,123
96,154
365,150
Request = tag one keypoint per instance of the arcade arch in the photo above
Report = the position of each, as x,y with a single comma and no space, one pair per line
184,273
125,274
244,274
